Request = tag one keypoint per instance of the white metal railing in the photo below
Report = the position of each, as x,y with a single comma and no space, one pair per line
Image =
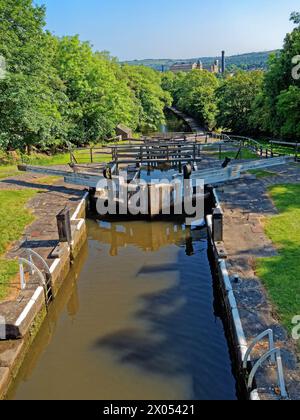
33,268
32,254
268,333
46,282
273,353
281,381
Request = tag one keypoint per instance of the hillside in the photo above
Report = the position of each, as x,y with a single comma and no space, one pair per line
249,61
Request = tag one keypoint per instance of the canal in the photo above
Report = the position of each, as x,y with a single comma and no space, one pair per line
173,124
136,319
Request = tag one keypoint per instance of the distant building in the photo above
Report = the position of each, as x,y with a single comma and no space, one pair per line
186,67
215,68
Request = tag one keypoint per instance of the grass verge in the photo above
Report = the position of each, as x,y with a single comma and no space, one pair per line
263,174
8,171
281,274
14,217
246,154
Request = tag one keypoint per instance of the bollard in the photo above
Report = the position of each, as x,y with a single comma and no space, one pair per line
217,225
64,226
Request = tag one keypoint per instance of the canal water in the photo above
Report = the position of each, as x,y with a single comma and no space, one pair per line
173,124
136,319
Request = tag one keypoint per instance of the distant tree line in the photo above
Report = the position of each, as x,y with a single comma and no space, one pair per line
246,102
58,89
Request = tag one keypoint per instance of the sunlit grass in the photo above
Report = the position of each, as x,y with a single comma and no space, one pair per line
48,180
14,217
8,171
246,154
263,174
281,274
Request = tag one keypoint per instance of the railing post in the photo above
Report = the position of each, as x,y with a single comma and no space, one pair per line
22,276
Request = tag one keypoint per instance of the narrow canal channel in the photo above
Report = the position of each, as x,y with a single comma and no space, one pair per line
138,321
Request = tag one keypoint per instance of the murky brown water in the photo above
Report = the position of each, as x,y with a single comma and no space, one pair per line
137,322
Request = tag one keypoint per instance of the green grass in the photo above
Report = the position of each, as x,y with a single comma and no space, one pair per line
283,150
262,174
246,154
281,274
48,180
62,159
44,160
8,171
14,217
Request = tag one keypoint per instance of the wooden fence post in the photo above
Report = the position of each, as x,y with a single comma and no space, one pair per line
64,226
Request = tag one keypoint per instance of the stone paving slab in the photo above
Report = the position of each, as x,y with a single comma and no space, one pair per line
42,235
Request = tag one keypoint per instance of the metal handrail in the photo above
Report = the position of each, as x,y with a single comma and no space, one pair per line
32,253
281,381
268,333
34,268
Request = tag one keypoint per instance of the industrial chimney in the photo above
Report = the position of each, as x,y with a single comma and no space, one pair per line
223,62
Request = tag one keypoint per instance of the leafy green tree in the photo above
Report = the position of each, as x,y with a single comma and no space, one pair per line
268,113
168,82
288,111
99,96
59,89
236,98
151,98
195,94
295,18
31,94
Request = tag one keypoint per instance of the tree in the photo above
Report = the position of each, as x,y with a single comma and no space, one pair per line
59,89
168,82
195,94
295,18
236,98
288,110
268,115
31,94
99,96
151,98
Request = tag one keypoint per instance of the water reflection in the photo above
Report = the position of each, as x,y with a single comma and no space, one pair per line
149,237
138,323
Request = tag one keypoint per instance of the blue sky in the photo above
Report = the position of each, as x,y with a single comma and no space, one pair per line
136,29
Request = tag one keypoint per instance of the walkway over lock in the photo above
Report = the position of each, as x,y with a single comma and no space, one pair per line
210,176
